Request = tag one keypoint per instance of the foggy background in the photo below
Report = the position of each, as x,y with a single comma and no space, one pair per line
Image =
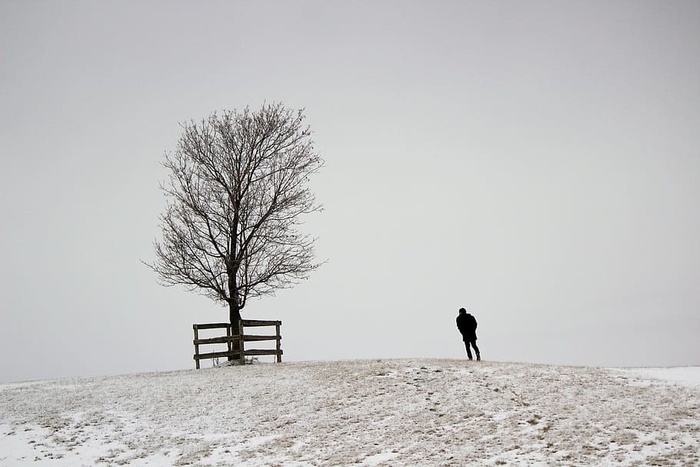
535,162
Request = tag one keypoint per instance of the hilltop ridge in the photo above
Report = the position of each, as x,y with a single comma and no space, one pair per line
369,412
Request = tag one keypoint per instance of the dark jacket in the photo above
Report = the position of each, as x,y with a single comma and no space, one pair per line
466,324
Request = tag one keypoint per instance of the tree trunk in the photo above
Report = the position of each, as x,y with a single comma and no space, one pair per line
234,318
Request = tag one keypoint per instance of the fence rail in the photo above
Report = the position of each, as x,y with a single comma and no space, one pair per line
235,342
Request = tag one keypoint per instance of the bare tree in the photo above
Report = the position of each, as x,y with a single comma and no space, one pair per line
237,188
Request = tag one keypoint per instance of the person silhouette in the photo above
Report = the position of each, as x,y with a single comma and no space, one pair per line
466,323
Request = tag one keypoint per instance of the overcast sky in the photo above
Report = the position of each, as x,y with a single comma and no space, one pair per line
535,162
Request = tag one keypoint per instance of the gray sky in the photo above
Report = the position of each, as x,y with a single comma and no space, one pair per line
535,162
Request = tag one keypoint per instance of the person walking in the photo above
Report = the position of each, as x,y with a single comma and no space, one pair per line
466,323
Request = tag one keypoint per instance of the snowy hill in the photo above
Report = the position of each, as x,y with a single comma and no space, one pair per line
368,413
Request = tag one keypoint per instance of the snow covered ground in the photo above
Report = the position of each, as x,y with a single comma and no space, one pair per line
365,413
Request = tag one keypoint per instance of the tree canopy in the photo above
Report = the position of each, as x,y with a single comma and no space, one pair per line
237,189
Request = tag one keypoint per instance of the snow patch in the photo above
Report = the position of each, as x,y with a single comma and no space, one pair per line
686,376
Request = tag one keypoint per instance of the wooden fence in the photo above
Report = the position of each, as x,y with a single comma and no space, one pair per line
235,345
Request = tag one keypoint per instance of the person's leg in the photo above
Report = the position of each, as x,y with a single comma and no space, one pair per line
476,350
469,352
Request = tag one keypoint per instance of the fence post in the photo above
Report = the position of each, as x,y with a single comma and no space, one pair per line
279,341
229,344
241,344
196,347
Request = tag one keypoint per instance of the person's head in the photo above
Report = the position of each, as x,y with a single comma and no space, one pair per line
462,311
